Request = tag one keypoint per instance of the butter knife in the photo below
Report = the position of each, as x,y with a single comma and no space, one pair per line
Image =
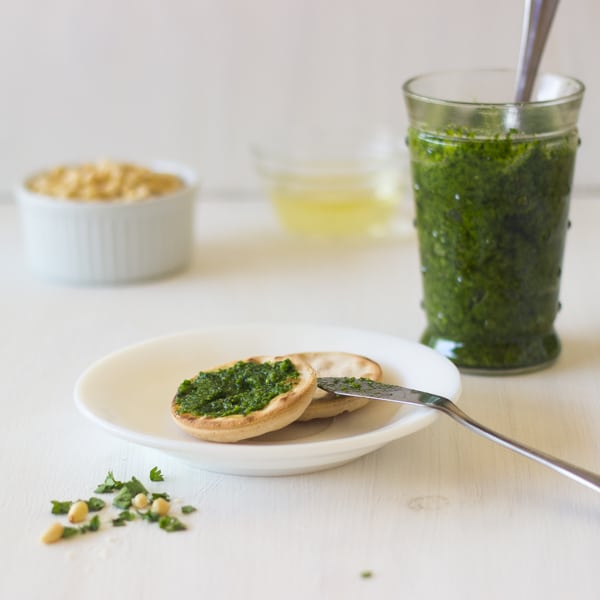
365,388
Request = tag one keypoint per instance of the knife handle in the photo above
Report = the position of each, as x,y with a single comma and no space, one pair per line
583,476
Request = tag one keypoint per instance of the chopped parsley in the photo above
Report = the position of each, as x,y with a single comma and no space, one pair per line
123,518
148,515
69,532
162,495
92,525
123,498
60,507
129,490
95,504
124,492
170,524
109,485
156,474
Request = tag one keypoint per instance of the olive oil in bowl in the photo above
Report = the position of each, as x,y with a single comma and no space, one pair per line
356,194
337,205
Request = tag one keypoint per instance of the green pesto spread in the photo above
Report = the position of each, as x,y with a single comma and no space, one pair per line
491,216
240,389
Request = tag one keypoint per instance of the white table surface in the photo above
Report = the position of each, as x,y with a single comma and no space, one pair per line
442,513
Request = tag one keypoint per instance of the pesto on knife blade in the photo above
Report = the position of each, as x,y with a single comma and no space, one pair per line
240,389
491,216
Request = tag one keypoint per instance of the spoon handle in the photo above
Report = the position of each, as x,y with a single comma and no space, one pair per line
537,21
580,475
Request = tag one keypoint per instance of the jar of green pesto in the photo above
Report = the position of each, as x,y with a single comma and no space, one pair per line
491,182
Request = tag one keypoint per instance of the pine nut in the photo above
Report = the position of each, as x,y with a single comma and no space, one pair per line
53,533
160,507
104,180
140,501
78,512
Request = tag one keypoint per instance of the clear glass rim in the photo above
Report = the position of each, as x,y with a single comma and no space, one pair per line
380,152
408,92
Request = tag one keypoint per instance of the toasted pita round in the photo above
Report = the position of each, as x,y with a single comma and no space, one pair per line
337,364
281,410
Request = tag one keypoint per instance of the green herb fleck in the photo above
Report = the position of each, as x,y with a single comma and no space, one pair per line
123,498
109,485
118,522
162,495
366,574
187,509
353,383
170,524
148,515
123,518
69,532
95,504
135,486
92,525
60,507
156,474
127,493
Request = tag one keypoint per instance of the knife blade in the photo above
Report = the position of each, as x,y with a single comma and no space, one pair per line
375,390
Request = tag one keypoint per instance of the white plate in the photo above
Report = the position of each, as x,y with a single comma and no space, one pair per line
129,392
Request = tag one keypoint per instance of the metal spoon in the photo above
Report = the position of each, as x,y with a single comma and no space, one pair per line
365,388
537,21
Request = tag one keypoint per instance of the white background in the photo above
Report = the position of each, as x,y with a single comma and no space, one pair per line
199,80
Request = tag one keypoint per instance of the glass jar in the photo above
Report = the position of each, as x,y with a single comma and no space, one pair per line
491,183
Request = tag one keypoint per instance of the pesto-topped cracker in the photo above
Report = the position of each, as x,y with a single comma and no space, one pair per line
244,398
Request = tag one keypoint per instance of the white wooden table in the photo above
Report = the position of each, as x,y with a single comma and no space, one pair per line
439,514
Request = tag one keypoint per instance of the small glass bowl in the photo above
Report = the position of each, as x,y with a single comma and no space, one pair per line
332,187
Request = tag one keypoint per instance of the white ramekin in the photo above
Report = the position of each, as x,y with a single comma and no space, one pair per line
99,242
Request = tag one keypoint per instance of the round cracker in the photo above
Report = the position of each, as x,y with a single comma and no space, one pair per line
279,412
337,364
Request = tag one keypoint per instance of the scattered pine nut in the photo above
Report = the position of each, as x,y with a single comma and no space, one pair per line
140,501
53,533
78,512
160,507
